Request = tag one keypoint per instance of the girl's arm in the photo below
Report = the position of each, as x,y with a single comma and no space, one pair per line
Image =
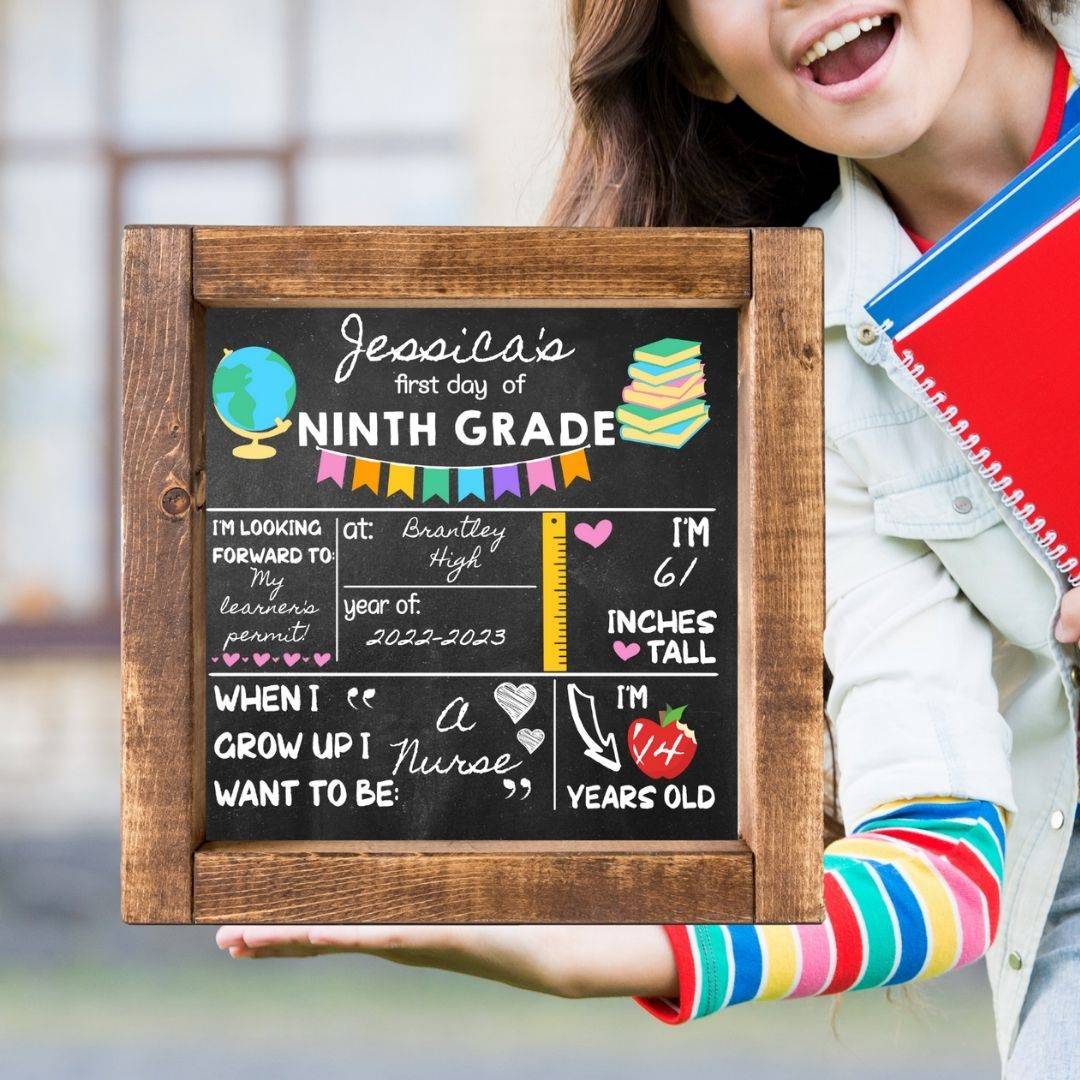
566,961
1067,630
913,892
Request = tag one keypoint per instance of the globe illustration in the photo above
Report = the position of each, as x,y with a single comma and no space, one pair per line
254,390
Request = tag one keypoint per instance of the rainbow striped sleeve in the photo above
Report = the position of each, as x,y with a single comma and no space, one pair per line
913,892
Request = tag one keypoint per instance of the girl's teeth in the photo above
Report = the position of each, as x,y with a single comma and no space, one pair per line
836,39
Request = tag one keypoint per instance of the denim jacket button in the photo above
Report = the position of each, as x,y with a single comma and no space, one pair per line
962,504
867,334
1016,962
1057,819
1074,675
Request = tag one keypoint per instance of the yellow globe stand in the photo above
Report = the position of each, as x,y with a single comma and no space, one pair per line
254,450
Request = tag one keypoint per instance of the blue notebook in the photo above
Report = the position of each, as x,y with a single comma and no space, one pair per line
1045,187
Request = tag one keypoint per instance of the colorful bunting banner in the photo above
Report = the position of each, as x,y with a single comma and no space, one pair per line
435,480
505,481
401,478
540,474
575,466
366,474
436,485
470,482
331,467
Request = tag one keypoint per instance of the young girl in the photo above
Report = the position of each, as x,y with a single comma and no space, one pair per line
950,636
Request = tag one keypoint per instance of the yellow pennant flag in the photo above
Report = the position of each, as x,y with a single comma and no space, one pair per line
366,474
401,478
575,466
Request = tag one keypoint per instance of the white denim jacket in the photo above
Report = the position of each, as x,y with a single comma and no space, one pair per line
940,608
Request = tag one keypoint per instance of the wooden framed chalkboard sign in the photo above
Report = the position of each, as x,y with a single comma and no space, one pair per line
472,575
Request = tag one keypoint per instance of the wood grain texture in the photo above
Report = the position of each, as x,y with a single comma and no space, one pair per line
198,575
161,818
782,574
476,847
774,877
260,883
311,266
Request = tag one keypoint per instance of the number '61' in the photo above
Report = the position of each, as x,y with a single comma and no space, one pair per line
664,577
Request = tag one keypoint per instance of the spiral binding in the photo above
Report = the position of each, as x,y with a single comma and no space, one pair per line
981,459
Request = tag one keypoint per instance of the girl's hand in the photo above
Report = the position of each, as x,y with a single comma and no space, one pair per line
1067,630
568,961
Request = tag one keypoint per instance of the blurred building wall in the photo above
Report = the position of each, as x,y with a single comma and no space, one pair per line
60,744
199,111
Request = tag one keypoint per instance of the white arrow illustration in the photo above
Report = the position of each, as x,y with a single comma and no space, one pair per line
594,746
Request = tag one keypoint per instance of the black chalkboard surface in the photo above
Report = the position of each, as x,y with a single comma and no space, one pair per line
457,587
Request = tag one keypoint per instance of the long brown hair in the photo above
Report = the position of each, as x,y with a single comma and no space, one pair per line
644,150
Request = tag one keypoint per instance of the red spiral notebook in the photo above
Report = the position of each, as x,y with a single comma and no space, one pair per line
986,322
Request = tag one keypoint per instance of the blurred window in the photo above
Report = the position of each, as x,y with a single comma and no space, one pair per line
183,111
202,73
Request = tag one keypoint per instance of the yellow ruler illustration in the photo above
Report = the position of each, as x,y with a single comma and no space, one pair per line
553,590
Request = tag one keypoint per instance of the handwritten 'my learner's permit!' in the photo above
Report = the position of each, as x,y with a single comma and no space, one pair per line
471,573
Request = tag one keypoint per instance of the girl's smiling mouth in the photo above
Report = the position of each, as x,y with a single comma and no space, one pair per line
847,57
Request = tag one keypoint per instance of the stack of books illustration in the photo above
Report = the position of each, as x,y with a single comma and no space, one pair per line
664,404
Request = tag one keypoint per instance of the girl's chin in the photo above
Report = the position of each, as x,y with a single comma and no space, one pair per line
875,141
884,127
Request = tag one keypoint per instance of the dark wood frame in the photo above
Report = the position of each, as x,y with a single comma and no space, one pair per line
772,874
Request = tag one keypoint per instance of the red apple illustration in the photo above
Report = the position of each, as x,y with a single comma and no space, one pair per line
662,750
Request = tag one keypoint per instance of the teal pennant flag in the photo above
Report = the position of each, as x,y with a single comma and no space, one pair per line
470,482
436,485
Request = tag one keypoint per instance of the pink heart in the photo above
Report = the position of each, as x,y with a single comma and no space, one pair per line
321,658
261,658
213,659
626,651
593,535
290,658
229,658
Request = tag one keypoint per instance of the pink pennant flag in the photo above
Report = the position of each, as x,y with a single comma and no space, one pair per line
540,474
331,467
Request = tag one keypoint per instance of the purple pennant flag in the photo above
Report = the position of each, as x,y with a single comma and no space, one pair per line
331,467
540,475
504,481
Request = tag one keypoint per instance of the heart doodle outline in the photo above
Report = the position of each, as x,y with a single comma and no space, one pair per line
516,701
530,738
